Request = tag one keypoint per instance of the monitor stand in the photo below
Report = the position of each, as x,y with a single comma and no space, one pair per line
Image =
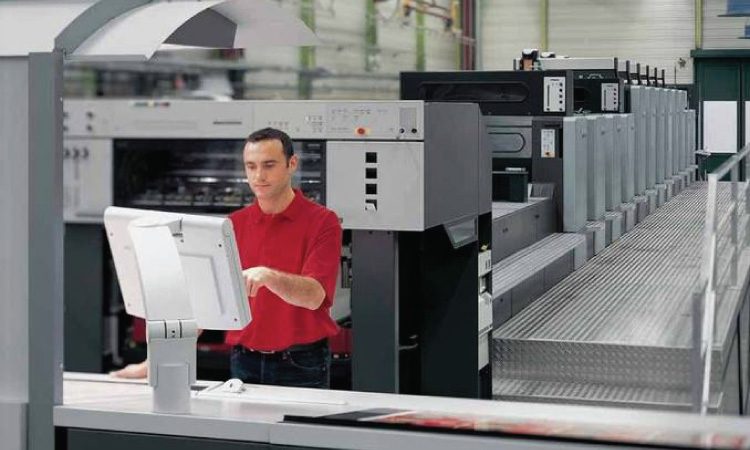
172,331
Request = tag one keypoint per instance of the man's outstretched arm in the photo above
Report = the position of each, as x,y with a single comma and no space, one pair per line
297,290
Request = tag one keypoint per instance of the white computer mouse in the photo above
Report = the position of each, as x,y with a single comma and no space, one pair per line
233,385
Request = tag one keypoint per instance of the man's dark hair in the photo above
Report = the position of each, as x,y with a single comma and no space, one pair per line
267,134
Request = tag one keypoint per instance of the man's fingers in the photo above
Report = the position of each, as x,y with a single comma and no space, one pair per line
253,280
132,371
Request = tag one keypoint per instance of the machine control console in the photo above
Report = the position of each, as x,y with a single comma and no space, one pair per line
610,97
554,94
378,120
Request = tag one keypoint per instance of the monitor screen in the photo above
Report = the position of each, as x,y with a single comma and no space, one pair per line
209,263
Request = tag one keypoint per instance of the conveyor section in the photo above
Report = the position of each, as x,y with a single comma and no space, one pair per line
525,275
516,225
618,330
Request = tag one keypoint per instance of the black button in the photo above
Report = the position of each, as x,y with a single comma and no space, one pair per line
371,189
371,173
371,157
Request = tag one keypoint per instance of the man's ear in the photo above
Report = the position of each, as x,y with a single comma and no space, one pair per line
293,161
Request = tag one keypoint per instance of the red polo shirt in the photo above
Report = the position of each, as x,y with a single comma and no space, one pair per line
304,239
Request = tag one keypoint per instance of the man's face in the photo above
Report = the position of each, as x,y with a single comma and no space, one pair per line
268,172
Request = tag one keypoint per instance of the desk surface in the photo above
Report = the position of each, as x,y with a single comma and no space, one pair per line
102,403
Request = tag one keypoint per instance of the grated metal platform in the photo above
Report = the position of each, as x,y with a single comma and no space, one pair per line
618,330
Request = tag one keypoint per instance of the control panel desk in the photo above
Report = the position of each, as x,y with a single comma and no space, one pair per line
99,411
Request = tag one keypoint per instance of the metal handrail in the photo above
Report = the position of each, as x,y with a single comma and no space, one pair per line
704,307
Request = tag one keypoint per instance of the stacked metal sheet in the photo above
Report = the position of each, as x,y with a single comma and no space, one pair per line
638,106
626,139
651,103
665,136
596,167
575,170
618,330
678,111
613,173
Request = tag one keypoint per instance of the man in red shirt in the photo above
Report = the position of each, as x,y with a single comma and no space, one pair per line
290,248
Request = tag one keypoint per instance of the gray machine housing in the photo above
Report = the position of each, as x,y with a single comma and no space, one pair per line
397,132
417,189
554,150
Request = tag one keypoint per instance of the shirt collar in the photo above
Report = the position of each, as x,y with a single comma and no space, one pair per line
290,213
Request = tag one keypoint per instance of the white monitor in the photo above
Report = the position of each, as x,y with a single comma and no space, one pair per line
213,292
180,272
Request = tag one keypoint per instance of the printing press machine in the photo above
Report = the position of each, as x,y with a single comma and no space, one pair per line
642,157
571,215
415,248
586,133
665,119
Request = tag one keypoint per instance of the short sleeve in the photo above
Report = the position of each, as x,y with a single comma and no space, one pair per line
323,257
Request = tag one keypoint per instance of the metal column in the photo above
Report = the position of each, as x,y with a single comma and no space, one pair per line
375,307
31,241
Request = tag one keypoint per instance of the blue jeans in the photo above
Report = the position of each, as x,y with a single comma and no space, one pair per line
298,368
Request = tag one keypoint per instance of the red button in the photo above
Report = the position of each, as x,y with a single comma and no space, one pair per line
361,131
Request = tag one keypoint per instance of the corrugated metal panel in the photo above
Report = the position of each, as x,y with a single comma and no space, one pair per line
340,25
341,28
658,33
279,81
722,32
397,44
441,50
507,27
397,41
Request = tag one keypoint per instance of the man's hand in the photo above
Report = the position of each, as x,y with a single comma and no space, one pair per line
297,290
132,371
256,278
